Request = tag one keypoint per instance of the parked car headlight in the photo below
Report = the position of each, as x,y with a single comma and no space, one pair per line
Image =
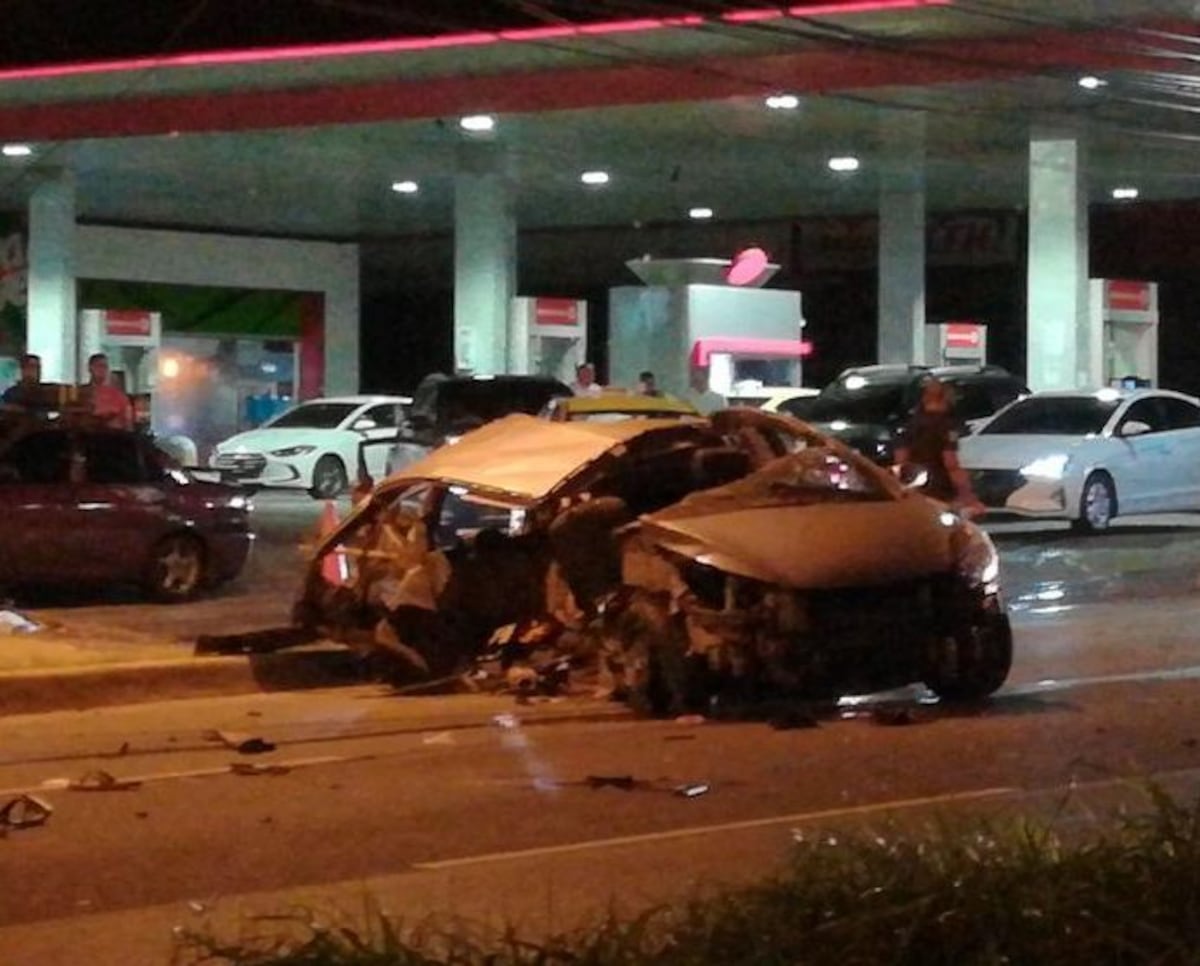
977,559
293,451
1047,467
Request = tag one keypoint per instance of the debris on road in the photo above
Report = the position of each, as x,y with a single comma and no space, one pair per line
506,721
13,622
102,781
694,790
894,716
624,782
25,811
241,743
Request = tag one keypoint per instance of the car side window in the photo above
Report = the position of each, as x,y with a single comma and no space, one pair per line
1003,392
113,458
384,416
973,401
1144,411
40,458
1179,413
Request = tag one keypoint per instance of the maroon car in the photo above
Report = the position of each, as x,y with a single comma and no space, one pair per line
80,504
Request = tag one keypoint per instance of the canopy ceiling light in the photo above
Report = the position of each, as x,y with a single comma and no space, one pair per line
477,123
783,102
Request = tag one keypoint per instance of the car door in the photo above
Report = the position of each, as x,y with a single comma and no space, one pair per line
1181,428
122,506
1143,459
378,441
37,509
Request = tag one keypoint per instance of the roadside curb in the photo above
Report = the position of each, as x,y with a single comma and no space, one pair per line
94,686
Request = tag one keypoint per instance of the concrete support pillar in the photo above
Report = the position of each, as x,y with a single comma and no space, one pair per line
901,322
1062,352
51,327
342,323
485,258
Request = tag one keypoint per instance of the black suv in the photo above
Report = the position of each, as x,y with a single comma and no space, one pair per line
866,407
445,407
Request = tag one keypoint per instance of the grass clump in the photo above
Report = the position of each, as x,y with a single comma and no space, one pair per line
1011,893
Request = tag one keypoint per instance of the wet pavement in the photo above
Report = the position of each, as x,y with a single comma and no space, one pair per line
1046,567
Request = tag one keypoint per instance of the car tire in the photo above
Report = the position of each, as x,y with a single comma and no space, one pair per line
1097,504
973,661
329,478
176,568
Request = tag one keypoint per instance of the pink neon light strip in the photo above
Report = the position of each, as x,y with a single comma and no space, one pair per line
828,9
472,39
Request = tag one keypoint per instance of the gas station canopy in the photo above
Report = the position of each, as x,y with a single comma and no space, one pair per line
731,106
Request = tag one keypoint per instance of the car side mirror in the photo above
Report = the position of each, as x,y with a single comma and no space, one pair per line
1135,427
364,423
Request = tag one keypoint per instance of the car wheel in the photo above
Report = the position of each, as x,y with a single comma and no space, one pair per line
329,478
1097,504
973,661
176,568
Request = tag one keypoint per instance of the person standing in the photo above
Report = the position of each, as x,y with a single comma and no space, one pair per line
109,404
25,392
646,385
930,441
585,380
705,399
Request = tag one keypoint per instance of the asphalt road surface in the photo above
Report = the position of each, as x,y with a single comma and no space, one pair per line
493,822
502,822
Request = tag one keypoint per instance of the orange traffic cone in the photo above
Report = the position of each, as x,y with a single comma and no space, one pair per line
334,568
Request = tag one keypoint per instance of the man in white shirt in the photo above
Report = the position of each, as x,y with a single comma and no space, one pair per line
700,395
585,380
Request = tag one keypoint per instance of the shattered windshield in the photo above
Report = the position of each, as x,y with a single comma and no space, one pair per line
464,515
816,474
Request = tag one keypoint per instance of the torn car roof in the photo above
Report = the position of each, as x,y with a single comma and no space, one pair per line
525,456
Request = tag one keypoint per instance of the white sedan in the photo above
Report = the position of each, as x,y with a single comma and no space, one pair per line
1087,456
318,446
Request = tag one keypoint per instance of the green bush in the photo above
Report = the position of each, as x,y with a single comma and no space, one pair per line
1003,893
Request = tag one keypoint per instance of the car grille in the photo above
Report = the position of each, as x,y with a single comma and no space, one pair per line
241,464
994,487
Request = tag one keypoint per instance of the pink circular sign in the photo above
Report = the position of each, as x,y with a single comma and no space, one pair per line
747,265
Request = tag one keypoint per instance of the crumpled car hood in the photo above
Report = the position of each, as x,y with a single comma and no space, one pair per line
821,545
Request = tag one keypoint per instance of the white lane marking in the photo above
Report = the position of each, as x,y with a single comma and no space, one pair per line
680,833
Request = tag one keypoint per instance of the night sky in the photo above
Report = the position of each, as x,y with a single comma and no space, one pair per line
61,31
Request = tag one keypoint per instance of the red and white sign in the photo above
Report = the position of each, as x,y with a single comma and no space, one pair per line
550,311
125,323
747,347
963,335
1123,295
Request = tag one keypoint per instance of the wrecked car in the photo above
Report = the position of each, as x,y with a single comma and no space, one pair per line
742,556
